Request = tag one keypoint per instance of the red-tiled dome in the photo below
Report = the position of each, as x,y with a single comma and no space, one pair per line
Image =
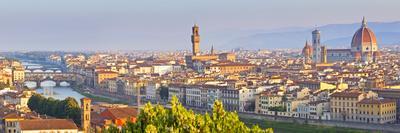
357,55
377,54
363,36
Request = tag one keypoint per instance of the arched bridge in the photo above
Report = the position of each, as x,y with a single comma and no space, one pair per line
39,77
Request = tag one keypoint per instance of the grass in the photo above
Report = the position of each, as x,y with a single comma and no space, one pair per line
99,98
288,127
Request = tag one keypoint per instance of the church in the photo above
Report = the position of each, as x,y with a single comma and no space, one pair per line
364,48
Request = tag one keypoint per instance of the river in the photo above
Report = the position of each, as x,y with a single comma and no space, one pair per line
48,88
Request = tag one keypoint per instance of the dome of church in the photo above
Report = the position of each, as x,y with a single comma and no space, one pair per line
357,55
364,37
377,54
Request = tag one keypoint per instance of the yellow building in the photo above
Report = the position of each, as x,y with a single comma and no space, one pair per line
317,85
6,79
103,75
344,105
231,68
266,100
18,75
11,121
374,110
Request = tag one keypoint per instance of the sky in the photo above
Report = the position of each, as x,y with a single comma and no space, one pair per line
77,25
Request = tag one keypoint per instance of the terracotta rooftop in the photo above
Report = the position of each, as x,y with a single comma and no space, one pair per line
120,113
376,101
346,94
45,124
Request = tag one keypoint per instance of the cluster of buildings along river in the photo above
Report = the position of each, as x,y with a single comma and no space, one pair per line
358,85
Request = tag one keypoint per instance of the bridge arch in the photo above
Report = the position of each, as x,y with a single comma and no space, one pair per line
48,83
49,71
37,71
56,79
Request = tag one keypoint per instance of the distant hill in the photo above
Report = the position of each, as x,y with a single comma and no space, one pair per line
332,35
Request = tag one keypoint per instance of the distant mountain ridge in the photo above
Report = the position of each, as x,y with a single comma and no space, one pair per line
332,35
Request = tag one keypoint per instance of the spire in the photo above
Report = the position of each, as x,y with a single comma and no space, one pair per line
307,44
212,49
364,22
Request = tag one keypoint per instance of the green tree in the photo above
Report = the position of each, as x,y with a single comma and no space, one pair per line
178,119
67,108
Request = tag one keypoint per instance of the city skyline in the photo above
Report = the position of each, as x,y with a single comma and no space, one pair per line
157,25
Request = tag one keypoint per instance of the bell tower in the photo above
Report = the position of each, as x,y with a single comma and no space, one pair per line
195,40
316,44
85,114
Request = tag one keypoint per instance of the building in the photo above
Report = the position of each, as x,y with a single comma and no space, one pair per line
177,90
231,68
391,94
18,74
119,116
46,126
376,110
319,110
152,90
307,53
197,57
85,115
266,100
344,105
195,40
316,44
103,75
363,47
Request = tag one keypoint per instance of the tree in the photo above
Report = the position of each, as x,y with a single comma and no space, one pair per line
178,119
278,108
67,108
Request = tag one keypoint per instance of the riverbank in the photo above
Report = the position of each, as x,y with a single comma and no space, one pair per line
293,127
97,98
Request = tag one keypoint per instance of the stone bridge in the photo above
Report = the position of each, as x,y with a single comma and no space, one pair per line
42,70
39,77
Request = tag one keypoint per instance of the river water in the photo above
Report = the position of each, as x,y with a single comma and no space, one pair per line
48,88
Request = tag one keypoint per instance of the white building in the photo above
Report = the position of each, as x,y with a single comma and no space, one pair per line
152,89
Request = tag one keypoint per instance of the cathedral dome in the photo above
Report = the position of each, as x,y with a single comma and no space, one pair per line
377,54
357,55
364,38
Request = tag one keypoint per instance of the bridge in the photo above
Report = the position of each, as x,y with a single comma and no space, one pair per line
57,77
42,70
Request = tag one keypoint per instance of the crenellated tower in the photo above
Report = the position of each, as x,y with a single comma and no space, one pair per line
195,40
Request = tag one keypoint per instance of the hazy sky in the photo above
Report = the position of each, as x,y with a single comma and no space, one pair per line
165,24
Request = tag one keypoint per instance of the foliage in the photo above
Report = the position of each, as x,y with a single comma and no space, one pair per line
178,119
294,127
67,108
277,108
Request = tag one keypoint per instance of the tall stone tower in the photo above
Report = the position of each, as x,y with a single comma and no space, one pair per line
195,40
316,44
85,114
324,56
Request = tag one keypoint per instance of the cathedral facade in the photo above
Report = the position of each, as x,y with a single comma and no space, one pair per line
363,48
